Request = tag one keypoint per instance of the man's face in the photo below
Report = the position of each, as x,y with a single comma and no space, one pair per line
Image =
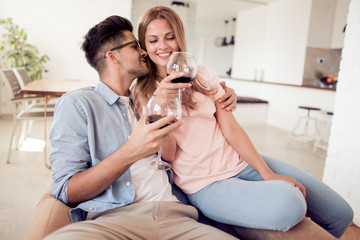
132,57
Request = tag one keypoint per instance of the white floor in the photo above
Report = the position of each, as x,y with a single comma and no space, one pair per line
23,181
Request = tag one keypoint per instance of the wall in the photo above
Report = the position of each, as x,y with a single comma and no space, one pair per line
342,166
57,28
341,12
250,41
285,38
329,64
321,23
328,18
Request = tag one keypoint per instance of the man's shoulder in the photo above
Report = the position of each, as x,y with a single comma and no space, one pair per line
79,96
81,91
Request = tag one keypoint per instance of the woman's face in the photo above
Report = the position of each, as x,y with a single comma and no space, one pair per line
160,42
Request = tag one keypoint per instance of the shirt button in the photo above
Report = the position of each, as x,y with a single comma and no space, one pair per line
124,114
127,183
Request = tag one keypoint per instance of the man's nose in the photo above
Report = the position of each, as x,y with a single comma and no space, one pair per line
143,52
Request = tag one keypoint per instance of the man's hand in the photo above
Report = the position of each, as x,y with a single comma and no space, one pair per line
146,139
228,100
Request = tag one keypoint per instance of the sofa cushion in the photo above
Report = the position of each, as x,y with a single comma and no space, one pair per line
50,215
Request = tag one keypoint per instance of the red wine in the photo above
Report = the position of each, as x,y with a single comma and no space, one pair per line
153,118
181,80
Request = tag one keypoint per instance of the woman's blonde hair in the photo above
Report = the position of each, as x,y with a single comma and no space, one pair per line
146,86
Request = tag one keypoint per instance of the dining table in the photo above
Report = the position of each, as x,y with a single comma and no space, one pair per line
49,87
53,88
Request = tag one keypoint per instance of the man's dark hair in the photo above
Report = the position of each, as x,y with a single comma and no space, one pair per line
102,37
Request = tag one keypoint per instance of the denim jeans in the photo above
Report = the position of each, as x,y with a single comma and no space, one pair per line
248,201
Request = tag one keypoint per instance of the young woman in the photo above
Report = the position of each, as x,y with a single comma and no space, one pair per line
213,159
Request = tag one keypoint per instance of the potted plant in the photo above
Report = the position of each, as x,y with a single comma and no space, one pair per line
17,52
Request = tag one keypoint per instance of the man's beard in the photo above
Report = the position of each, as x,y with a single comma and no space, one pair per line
141,72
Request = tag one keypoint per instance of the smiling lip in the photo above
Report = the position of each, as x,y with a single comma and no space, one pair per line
164,55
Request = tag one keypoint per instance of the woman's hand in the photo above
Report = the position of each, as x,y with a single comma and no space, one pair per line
228,100
293,181
168,89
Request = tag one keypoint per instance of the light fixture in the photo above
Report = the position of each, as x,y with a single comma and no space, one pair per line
223,41
179,3
232,40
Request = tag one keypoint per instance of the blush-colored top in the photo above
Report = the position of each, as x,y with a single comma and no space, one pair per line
203,155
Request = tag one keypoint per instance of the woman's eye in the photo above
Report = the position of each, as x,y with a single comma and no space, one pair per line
152,41
170,38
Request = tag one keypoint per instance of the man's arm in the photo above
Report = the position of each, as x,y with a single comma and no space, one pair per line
228,100
144,141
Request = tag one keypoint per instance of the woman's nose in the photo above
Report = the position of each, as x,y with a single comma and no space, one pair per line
162,44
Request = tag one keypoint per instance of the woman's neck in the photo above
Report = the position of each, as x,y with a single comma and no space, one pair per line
161,72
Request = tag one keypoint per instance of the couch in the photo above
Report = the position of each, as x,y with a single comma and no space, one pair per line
51,214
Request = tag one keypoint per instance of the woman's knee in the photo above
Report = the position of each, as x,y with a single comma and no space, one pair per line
291,207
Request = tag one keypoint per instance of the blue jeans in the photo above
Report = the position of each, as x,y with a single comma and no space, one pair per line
248,201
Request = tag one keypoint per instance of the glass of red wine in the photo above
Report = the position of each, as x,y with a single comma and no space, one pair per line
157,108
182,62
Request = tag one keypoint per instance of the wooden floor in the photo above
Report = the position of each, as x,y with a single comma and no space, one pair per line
352,233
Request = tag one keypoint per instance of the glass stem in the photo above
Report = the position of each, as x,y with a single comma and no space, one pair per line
180,90
159,153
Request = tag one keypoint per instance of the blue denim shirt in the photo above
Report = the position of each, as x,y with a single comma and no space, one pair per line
89,124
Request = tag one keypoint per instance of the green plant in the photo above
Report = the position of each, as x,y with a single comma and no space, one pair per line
17,52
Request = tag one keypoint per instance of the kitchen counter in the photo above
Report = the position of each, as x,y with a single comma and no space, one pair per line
282,84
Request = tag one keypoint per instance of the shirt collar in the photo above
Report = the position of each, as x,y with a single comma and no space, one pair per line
109,95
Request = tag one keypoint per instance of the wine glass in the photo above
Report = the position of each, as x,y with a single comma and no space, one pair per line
157,108
182,62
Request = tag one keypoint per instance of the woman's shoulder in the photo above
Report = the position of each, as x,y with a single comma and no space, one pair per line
206,71
207,76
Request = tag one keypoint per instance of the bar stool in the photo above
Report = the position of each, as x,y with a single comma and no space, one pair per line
323,140
306,135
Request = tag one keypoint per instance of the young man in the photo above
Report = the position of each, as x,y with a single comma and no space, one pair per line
100,152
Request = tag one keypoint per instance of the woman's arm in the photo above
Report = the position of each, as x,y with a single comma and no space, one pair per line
242,144
169,148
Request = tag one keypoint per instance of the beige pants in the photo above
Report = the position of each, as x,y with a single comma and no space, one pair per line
149,220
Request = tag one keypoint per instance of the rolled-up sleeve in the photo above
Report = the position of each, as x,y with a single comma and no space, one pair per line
69,140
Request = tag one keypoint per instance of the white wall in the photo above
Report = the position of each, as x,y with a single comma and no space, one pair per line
341,12
286,38
57,29
250,41
321,23
285,24
219,58
342,166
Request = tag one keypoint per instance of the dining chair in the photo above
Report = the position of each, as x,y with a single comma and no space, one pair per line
24,110
24,78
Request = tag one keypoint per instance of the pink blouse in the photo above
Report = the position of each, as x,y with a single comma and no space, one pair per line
203,155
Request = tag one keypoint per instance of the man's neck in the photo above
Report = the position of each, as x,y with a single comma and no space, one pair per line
119,84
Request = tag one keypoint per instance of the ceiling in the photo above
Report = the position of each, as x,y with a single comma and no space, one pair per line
203,11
